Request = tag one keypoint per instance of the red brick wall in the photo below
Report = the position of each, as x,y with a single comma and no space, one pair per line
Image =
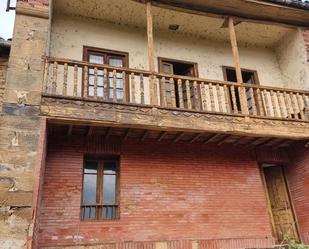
298,181
167,192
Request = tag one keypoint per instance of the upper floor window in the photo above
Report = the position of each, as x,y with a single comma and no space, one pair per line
109,57
100,190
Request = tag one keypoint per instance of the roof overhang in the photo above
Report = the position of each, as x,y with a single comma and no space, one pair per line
261,11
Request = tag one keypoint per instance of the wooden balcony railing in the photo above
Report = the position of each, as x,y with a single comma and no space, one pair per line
70,78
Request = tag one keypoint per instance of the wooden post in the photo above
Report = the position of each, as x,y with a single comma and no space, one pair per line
150,49
235,50
241,92
150,37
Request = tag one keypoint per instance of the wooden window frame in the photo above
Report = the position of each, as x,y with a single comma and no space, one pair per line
99,51
169,60
255,74
99,186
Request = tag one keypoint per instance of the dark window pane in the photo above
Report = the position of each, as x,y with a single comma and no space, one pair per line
89,189
110,167
91,167
88,213
109,189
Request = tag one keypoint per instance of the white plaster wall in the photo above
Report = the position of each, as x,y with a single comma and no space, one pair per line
291,54
69,34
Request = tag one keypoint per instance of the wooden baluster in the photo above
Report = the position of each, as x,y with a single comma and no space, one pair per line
235,108
254,112
152,90
260,102
75,80
173,98
85,84
155,90
163,92
179,83
287,105
114,86
212,98
219,97
227,99
243,100
142,89
294,108
188,95
124,87
301,106
197,104
65,79
268,113
46,75
306,100
95,83
106,84
55,75
281,110
273,103
132,88
203,96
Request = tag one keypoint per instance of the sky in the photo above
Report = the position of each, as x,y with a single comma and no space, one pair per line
6,19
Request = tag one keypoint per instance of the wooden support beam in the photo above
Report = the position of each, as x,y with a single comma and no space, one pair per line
251,142
179,136
196,137
107,133
212,137
223,140
127,134
163,134
70,129
144,135
235,50
264,143
90,131
150,36
238,142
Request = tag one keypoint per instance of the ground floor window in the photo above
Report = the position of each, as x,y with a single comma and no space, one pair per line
100,189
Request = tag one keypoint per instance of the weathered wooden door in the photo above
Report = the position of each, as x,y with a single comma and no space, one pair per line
282,212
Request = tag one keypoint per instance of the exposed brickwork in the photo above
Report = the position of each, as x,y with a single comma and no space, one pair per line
298,180
178,192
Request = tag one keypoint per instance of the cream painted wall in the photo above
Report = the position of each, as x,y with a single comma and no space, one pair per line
70,34
291,54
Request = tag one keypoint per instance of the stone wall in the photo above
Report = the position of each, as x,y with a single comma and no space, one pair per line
3,70
20,126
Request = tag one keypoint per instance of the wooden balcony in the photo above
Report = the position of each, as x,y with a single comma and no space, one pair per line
123,97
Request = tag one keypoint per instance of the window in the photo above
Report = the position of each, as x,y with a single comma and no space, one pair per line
177,67
100,190
113,58
248,76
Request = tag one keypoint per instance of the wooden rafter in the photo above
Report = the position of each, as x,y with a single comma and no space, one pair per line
196,137
108,133
90,131
127,134
144,135
162,135
70,129
211,138
223,140
179,136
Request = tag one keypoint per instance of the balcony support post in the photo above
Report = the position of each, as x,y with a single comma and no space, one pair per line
150,49
242,91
